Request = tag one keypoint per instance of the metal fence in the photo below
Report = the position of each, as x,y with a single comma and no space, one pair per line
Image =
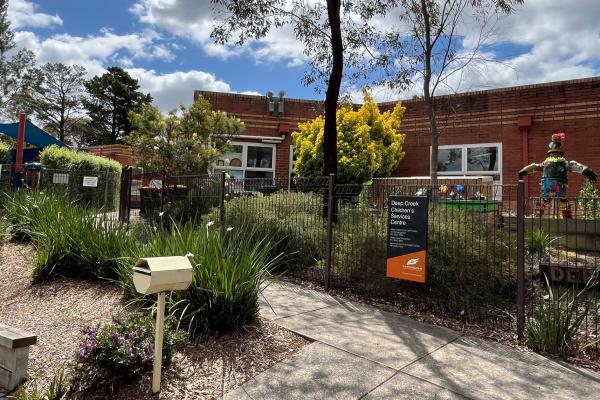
96,189
494,255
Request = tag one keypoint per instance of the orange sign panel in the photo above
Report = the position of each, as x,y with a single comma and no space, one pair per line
409,267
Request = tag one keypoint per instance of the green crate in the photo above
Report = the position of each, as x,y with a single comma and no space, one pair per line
471,205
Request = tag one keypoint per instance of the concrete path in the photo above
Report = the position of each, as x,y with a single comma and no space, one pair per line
360,352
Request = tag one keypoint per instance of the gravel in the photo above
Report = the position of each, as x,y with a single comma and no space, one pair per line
57,311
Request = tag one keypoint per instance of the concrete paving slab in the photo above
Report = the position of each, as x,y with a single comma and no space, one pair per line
403,386
485,370
283,300
318,371
237,394
390,339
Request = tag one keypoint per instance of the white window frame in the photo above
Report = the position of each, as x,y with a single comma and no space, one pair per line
244,166
464,163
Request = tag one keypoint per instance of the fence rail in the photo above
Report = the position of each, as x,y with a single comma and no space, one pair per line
494,255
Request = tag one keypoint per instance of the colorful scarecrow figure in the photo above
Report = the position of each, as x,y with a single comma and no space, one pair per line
554,179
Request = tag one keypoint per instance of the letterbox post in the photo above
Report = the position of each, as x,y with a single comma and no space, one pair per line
158,342
160,275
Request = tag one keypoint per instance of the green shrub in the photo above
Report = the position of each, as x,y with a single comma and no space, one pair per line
555,323
470,262
71,240
589,200
23,208
230,265
538,242
291,220
121,350
5,153
77,165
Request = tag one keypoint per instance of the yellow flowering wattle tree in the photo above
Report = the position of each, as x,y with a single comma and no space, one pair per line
368,142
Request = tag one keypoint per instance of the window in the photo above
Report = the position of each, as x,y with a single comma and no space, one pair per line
482,159
472,159
248,160
449,160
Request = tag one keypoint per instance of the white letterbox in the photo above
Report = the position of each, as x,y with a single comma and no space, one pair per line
161,274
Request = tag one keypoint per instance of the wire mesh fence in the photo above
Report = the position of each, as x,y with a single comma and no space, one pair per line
98,190
494,255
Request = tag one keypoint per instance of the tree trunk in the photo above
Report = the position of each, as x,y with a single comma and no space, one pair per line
430,102
333,88
333,93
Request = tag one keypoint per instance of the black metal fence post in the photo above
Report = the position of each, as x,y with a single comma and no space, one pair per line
330,216
124,197
521,259
106,209
222,198
162,192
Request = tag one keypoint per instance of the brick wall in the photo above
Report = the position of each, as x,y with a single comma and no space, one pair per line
478,117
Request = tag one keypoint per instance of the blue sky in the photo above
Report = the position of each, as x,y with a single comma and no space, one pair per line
166,45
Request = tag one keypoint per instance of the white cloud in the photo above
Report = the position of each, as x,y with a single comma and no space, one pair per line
172,89
194,20
95,52
23,13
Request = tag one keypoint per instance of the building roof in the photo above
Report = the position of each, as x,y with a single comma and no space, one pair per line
469,93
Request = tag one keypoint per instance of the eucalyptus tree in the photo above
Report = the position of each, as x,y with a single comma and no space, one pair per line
333,35
426,45
56,101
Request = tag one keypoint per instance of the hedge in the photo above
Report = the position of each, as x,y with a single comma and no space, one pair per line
5,150
78,165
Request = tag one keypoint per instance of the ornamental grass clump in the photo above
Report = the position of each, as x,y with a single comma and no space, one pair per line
72,242
121,350
556,322
230,268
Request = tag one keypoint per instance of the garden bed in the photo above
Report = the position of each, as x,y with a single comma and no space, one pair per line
57,311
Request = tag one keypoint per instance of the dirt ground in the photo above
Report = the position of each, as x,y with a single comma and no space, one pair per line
57,312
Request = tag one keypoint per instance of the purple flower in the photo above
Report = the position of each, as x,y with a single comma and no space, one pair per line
81,355
118,339
90,331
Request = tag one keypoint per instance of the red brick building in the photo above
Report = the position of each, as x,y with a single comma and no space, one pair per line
490,132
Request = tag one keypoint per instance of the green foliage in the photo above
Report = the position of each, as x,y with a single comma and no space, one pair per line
18,73
5,152
555,323
589,200
22,209
56,98
63,158
231,267
470,263
121,350
291,220
538,242
112,96
70,240
58,389
77,165
368,143
179,142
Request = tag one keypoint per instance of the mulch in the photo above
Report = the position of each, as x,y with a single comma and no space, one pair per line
58,310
